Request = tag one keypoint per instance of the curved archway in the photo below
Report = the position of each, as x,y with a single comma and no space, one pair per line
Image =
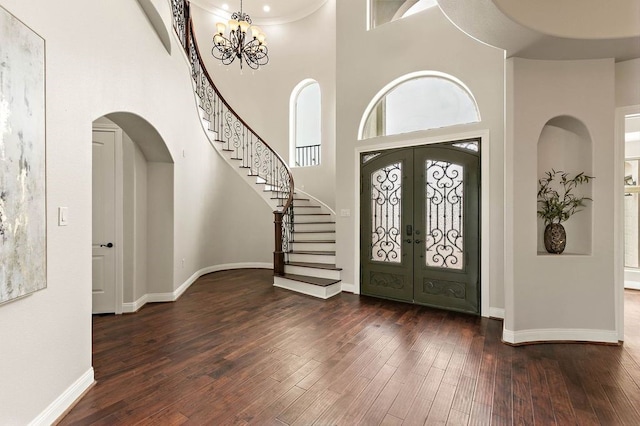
133,204
418,101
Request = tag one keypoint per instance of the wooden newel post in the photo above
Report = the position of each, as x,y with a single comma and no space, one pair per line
278,254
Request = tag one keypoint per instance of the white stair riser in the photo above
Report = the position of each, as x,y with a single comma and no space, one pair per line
309,289
314,226
299,236
298,218
314,246
312,258
312,272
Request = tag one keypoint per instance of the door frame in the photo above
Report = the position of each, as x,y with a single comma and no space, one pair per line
485,205
618,216
119,220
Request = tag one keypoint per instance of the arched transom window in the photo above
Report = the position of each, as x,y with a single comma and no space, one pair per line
419,101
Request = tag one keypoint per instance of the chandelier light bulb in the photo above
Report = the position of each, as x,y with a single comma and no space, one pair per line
250,50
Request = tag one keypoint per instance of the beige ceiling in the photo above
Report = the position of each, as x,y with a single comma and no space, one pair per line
281,11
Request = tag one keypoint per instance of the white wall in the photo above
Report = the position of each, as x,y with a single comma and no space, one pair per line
558,297
139,216
102,60
628,83
367,61
297,50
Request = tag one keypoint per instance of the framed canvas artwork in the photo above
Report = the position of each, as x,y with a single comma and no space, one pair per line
23,229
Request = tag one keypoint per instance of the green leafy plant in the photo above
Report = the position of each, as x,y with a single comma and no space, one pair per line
558,205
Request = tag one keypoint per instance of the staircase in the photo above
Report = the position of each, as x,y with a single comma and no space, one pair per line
304,254
311,265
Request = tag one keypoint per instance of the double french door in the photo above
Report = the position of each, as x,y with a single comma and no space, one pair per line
419,237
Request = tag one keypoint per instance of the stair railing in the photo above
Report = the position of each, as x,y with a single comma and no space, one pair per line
237,137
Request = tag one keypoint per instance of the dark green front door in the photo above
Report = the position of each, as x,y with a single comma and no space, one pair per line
419,236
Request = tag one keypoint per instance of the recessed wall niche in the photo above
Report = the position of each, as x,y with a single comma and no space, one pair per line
565,144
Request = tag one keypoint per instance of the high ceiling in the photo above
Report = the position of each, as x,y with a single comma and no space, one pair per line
277,11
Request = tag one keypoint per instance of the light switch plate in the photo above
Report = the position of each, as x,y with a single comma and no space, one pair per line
345,212
63,216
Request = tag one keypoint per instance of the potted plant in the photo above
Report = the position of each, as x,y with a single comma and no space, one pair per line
557,203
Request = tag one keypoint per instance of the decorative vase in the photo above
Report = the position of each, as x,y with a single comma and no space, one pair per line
555,238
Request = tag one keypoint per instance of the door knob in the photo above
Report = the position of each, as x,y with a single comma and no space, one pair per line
418,241
408,240
108,245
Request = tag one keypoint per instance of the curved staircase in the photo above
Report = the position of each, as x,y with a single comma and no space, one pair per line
311,265
304,254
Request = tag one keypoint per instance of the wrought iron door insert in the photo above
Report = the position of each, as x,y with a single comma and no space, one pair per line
419,225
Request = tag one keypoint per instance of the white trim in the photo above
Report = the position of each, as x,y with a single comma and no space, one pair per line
618,214
66,400
308,289
119,210
485,202
565,335
349,288
496,312
175,295
632,285
306,194
128,308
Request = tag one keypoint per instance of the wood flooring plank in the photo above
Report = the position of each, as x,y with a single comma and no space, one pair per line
521,388
335,412
359,407
439,412
419,410
457,418
234,350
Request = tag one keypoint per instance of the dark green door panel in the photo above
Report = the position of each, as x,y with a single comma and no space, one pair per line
420,225
386,252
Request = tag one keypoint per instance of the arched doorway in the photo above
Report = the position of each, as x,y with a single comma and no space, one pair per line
132,231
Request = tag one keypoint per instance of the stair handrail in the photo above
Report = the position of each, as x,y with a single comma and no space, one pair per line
238,137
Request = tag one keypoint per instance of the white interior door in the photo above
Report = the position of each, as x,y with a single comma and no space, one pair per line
104,223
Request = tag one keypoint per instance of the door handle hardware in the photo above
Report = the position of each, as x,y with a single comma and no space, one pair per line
108,245
409,230
418,241
409,240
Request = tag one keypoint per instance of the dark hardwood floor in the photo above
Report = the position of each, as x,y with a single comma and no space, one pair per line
236,350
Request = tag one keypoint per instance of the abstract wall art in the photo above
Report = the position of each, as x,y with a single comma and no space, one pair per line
22,160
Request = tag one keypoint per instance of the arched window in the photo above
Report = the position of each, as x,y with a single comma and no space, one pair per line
305,124
419,101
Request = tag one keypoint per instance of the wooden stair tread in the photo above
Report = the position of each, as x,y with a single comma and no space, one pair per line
313,241
312,214
315,265
312,223
323,282
315,232
318,252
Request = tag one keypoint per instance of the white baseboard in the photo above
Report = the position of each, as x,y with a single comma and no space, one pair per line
632,285
128,308
62,403
175,295
308,289
496,313
350,288
566,335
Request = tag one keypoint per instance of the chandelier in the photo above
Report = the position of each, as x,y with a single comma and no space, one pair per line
238,44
